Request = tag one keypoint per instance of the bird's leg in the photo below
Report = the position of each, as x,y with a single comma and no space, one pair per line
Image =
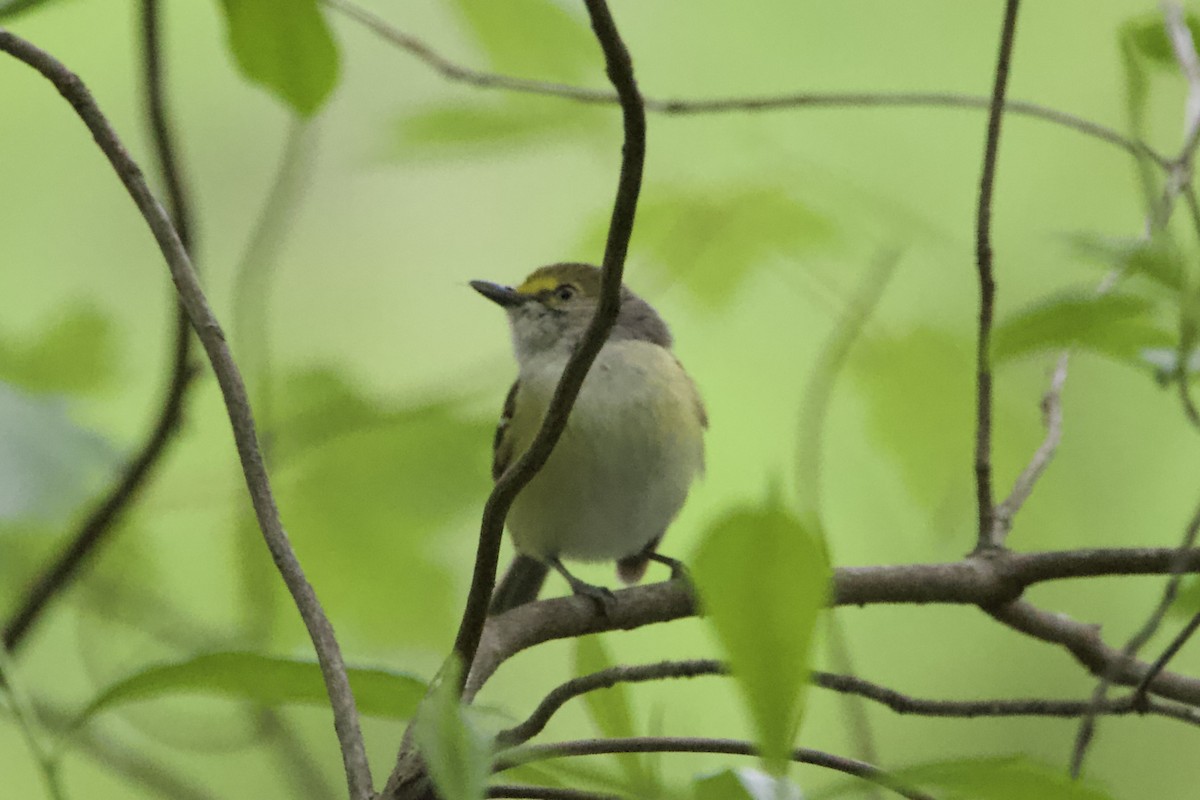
604,599
679,570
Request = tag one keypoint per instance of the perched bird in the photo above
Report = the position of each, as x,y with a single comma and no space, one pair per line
633,443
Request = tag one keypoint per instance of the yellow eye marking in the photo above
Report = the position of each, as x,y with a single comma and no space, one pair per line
540,283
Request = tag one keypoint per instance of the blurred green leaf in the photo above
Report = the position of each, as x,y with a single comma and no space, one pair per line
531,38
75,355
763,578
49,465
286,46
709,241
10,8
450,131
611,710
1148,35
1187,599
1154,259
267,680
457,754
389,480
1117,325
1165,362
744,784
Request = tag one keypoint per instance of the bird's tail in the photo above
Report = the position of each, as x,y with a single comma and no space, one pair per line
520,584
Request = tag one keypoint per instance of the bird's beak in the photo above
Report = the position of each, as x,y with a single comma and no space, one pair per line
500,295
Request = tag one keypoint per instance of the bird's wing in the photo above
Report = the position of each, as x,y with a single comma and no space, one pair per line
502,446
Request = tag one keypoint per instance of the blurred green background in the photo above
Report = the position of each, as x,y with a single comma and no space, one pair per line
385,371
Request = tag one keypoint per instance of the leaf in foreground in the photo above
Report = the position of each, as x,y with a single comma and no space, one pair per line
457,753
763,578
268,680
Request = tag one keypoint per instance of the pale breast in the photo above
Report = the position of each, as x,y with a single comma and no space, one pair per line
622,469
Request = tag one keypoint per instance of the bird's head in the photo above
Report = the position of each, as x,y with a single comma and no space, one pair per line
549,311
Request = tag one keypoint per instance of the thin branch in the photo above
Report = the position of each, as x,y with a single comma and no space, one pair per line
29,724
1160,663
620,72
234,393
1052,419
604,679
987,285
1143,635
799,100
690,744
530,792
102,520
989,581
1180,37
849,685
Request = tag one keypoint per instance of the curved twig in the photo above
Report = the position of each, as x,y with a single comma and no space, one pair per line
101,521
784,102
692,744
241,418
620,72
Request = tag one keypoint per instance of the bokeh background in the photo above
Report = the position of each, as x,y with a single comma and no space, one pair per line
379,373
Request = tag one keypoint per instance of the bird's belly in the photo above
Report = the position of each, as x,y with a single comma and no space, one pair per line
621,470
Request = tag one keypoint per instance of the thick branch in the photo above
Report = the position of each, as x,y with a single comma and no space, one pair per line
102,520
688,744
784,102
989,581
620,72
987,284
544,793
234,393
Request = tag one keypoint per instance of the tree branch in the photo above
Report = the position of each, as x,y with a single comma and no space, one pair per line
102,520
987,286
689,744
620,72
989,581
785,102
233,391
1087,725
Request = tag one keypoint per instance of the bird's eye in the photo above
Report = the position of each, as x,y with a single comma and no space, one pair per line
565,292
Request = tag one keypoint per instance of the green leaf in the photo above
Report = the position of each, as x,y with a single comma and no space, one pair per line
1155,259
708,241
744,784
1117,325
391,478
1148,36
76,355
457,754
285,46
10,8
762,578
531,38
450,131
611,710
49,465
268,680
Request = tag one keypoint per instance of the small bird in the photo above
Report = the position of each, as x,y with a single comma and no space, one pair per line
632,445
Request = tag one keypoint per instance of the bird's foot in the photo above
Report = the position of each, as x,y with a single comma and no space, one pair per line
605,600
679,570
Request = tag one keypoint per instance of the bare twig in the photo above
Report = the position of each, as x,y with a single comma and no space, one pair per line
545,793
102,520
1023,487
620,72
1087,725
690,744
1160,663
987,284
849,685
233,391
990,582
29,724
799,100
